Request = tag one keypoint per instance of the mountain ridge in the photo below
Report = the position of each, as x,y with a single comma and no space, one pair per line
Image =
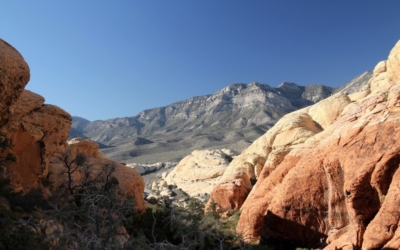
231,117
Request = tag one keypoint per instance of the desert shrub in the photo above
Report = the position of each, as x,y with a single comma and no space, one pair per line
93,208
93,224
14,235
188,228
30,201
22,238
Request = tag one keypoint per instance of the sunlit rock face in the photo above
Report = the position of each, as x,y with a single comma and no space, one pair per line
338,189
129,180
271,148
197,173
14,75
39,131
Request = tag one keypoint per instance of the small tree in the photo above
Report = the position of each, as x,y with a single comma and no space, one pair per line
96,221
72,165
98,211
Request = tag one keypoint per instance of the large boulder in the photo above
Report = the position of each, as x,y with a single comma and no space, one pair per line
393,64
39,131
327,111
198,172
88,147
14,75
379,81
291,130
338,189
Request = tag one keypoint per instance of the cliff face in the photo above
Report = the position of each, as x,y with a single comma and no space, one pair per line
231,118
327,175
39,131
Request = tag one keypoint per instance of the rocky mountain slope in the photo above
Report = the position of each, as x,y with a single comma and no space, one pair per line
231,118
326,176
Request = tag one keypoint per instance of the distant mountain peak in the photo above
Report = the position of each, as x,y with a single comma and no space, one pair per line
230,118
287,84
356,83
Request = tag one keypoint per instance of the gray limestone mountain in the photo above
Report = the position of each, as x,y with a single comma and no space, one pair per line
356,84
231,118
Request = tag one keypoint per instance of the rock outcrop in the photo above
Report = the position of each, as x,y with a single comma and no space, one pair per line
14,75
144,169
338,187
198,172
88,147
270,149
38,132
129,179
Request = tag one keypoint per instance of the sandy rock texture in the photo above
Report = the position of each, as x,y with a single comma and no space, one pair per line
129,179
337,189
14,75
235,184
88,147
39,131
198,172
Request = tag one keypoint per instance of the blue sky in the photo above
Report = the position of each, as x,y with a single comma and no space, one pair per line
106,59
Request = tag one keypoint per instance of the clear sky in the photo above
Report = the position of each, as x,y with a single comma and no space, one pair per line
102,59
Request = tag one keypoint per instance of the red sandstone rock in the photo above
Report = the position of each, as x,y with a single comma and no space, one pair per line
235,184
129,180
341,186
88,147
14,75
39,131
231,192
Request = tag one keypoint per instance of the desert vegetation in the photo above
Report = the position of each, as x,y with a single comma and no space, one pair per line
89,211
